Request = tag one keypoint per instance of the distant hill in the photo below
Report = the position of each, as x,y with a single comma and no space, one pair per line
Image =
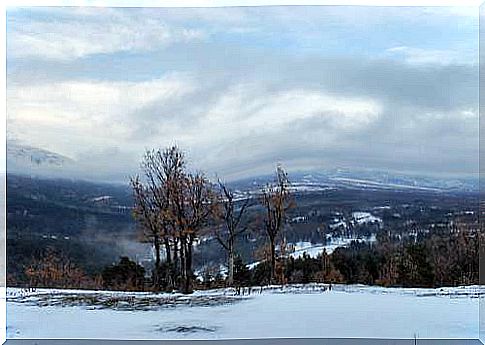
308,181
73,216
34,161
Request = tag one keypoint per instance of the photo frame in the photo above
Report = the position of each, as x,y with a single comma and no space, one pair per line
156,156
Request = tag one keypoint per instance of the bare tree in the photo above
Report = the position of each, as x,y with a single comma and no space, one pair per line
230,228
153,200
174,207
145,212
276,199
193,206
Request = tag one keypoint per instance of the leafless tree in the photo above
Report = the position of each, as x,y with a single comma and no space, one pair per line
193,206
276,199
146,213
153,199
173,206
230,228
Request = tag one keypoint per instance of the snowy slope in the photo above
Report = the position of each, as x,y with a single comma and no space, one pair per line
366,179
346,311
313,250
25,159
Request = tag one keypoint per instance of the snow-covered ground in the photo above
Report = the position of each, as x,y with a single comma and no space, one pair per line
314,249
365,217
293,311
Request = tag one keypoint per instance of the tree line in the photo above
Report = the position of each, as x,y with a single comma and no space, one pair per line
434,261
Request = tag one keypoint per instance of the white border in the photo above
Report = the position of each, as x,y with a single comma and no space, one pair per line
3,175
217,3
160,3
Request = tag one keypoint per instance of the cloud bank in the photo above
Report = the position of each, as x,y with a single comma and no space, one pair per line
242,88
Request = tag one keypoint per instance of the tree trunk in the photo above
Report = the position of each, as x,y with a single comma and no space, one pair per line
156,274
230,276
175,269
167,250
273,260
183,259
188,263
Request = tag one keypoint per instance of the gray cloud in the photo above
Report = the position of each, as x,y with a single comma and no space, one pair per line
239,108
422,117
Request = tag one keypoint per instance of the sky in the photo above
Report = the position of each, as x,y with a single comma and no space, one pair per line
243,88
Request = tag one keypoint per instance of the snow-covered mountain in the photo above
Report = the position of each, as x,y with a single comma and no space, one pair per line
25,159
364,179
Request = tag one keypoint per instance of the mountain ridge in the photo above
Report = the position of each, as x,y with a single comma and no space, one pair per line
41,163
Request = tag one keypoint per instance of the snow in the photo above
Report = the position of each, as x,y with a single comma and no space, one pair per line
309,187
373,184
102,198
365,217
382,207
221,269
346,311
298,219
313,250
338,224
253,264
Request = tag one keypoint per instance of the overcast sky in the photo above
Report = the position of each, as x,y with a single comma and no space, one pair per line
243,88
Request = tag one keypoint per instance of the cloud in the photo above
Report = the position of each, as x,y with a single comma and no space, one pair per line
419,56
246,93
119,110
244,124
85,112
64,34
87,32
246,108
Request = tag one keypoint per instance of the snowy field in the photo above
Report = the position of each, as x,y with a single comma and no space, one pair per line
292,311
